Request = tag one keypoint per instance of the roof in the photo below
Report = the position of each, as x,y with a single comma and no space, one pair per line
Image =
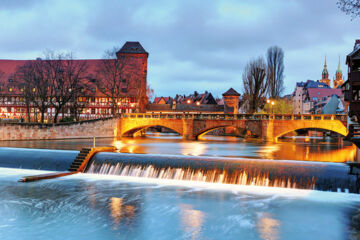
231,92
355,53
132,47
315,84
320,93
9,67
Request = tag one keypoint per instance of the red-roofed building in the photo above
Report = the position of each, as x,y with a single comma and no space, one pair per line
94,99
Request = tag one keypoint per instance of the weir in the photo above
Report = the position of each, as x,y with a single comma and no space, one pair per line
270,173
336,177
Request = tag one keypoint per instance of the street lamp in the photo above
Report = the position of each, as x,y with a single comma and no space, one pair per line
272,105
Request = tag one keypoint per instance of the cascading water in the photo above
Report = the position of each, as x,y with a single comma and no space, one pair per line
269,173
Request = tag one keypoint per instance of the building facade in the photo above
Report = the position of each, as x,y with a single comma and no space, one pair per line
308,97
94,100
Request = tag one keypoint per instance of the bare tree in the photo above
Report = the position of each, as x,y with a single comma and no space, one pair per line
118,77
275,71
254,84
350,7
65,75
33,77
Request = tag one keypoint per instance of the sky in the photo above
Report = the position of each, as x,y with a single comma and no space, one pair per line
193,45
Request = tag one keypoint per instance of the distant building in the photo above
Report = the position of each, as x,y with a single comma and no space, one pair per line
95,104
163,100
329,105
325,75
307,94
231,101
310,95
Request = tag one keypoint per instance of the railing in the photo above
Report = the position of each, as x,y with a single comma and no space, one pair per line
216,116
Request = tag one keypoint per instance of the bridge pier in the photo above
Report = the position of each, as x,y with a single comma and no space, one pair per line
188,129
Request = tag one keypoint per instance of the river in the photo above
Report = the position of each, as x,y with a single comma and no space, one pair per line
94,206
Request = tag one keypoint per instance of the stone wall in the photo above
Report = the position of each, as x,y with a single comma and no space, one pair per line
83,129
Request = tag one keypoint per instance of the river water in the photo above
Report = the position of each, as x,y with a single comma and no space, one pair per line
93,206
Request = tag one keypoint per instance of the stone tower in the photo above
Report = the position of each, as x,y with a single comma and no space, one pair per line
338,81
325,75
135,57
231,101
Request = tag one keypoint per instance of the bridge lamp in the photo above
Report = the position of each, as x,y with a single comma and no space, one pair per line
267,100
188,101
273,103
198,103
132,105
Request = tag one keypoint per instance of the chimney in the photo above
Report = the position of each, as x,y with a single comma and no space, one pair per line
357,44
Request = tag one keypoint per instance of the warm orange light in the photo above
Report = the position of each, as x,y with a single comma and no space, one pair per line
268,100
188,101
198,103
132,105
272,103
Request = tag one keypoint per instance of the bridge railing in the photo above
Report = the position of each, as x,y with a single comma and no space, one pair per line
217,116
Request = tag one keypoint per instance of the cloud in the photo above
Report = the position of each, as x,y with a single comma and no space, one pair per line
195,45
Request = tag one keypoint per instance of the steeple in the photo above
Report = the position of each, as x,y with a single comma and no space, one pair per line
338,81
338,70
325,75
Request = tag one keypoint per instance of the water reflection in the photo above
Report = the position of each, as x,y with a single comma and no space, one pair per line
314,149
192,220
120,211
268,227
193,148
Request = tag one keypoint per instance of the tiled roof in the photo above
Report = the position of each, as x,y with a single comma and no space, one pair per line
320,93
231,92
9,67
132,47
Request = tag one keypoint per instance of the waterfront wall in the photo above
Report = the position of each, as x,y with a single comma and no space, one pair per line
83,129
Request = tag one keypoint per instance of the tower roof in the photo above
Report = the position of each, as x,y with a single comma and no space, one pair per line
338,70
325,71
132,47
231,92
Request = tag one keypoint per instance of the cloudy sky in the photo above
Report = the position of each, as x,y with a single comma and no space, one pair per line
193,45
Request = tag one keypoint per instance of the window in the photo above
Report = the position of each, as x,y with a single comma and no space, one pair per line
124,90
314,98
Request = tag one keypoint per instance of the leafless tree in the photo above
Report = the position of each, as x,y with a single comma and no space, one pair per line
65,75
275,72
350,7
118,77
32,78
254,84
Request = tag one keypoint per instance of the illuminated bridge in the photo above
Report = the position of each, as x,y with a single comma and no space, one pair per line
267,126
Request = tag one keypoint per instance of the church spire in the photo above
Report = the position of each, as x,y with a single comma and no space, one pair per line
339,67
338,81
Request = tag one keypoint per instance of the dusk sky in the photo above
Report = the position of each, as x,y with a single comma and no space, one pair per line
193,45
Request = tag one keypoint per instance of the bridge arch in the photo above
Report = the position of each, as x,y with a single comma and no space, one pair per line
207,130
340,129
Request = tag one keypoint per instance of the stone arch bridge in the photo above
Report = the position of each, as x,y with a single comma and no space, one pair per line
267,126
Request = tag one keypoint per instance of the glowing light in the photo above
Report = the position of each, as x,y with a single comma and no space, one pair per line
188,101
192,220
268,227
198,103
194,148
272,103
268,100
118,144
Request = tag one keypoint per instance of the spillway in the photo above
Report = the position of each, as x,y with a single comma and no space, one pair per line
241,171
40,159
269,173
